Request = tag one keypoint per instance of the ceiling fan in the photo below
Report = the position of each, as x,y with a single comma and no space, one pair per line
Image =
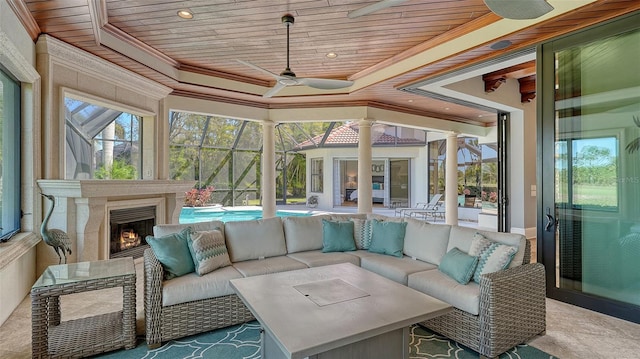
288,78
508,9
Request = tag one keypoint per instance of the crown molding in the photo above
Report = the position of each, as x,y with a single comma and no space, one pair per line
80,60
24,15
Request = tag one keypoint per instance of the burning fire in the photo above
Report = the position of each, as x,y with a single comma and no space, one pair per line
129,239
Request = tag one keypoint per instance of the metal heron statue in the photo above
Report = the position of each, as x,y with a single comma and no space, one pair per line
56,238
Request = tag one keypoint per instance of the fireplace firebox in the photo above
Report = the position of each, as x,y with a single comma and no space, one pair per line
129,228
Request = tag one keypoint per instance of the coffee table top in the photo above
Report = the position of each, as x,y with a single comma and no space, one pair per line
313,310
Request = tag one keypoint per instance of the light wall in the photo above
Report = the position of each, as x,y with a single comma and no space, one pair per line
18,256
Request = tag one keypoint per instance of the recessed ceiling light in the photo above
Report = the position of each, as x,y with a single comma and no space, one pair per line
409,100
502,44
480,116
446,108
331,55
185,14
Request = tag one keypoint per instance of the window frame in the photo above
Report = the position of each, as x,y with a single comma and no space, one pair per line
11,155
316,174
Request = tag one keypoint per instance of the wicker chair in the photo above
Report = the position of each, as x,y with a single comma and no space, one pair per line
512,311
184,319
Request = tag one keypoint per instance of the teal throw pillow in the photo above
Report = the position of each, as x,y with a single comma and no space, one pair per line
362,232
337,236
458,265
173,253
492,256
387,237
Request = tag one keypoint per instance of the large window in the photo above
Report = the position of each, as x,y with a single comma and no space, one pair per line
9,156
316,174
101,142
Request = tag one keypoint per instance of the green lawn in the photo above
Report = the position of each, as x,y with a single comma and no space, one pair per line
593,195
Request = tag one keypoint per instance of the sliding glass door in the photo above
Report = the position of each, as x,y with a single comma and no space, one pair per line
589,138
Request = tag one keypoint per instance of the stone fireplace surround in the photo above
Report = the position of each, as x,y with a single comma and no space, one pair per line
83,206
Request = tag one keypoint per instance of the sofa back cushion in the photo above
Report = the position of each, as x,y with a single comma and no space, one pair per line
303,233
426,242
347,216
262,238
161,230
462,237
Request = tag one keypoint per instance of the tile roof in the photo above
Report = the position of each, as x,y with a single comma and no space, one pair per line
347,135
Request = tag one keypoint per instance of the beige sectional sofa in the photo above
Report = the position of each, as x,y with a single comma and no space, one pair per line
506,308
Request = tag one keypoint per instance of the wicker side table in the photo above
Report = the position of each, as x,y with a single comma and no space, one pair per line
78,338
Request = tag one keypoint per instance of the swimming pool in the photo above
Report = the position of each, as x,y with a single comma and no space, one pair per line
227,214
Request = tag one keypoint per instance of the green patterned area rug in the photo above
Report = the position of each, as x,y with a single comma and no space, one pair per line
243,342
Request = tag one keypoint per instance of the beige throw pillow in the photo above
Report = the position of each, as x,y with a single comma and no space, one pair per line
208,251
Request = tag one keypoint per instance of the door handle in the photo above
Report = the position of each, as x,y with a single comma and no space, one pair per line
551,222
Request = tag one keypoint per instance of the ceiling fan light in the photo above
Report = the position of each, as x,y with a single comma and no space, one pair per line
519,9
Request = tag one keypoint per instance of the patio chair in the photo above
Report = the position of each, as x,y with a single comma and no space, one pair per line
434,212
425,207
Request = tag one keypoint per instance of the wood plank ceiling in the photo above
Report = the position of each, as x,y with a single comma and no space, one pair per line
223,31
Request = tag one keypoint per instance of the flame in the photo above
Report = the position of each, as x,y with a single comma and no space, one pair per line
129,239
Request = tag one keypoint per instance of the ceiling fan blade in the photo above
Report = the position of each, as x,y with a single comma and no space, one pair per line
324,84
519,9
274,90
255,67
373,8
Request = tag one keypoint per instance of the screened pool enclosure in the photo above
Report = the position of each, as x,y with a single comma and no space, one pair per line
225,154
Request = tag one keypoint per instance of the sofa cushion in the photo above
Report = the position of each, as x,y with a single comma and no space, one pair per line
458,265
318,258
337,236
160,230
268,265
192,287
362,253
173,253
492,256
208,251
347,216
303,233
461,237
249,240
425,241
394,268
465,297
387,237
384,218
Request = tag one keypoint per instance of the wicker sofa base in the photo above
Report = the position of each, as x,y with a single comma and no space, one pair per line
509,316
199,316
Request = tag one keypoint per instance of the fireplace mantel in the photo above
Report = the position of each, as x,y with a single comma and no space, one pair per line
112,188
82,210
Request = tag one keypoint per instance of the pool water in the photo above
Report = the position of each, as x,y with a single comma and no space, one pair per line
228,214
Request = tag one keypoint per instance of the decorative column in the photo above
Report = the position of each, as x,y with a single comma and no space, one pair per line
365,190
268,169
451,176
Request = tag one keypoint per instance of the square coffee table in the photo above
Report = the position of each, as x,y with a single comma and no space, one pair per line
335,312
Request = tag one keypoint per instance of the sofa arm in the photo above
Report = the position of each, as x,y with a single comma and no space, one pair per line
512,307
153,276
